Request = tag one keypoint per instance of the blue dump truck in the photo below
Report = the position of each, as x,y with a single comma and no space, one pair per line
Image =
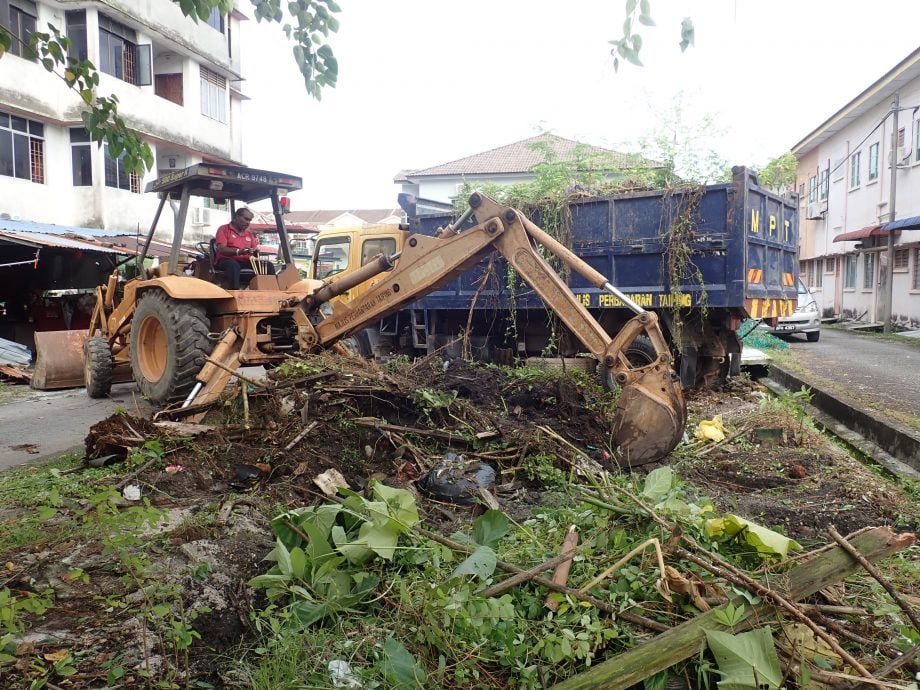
702,258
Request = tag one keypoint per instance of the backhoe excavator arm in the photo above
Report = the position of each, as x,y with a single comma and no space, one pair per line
650,415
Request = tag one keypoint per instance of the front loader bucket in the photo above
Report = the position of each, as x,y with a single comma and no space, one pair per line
650,416
58,360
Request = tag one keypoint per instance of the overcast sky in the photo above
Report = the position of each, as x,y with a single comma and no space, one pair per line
423,82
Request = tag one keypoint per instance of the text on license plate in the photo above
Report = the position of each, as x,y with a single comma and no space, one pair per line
786,327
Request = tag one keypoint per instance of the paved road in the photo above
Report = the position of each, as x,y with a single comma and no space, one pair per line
882,374
40,425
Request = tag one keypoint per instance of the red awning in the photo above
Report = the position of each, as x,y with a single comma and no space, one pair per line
861,234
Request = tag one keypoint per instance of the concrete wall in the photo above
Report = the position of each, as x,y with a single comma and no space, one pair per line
445,188
852,207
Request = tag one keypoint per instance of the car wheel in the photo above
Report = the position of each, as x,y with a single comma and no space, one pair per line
169,345
813,337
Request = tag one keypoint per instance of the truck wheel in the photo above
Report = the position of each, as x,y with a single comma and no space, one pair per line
97,367
358,344
813,337
169,345
640,353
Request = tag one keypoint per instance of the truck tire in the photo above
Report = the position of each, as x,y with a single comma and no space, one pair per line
97,367
640,353
169,345
813,336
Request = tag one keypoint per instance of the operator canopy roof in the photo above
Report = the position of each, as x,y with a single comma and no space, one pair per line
223,182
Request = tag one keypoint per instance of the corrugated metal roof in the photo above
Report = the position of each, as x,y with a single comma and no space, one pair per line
41,239
52,229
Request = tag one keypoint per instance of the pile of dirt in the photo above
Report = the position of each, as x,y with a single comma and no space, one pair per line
397,422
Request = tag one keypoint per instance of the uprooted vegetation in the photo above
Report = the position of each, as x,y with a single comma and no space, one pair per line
389,584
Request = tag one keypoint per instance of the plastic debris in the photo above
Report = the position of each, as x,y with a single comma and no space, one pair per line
132,492
342,676
711,430
330,481
457,480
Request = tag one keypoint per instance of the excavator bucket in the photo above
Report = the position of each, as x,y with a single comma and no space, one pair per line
650,416
58,360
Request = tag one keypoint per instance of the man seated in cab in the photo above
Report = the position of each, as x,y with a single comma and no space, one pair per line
237,248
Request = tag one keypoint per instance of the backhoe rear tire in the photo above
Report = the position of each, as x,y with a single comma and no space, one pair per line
97,367
169,345
639,353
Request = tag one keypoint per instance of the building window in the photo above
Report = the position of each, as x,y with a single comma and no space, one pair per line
901,259
117,175
216,19
81,154
829,265
812,189
213,95
119,54
849,271
915,285
23,16
817,275
75,21
854,169
868,271
22,148
823,185
873,162
169,86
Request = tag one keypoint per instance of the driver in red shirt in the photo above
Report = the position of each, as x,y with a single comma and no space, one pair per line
235,244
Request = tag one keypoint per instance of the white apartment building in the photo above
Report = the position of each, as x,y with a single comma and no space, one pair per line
177,84
844,181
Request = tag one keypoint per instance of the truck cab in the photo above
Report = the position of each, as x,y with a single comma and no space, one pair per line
342,250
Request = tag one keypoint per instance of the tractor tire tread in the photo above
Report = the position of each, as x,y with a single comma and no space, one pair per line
187,324
98,365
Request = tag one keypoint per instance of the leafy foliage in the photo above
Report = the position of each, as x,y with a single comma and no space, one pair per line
747,661
779,173
639,12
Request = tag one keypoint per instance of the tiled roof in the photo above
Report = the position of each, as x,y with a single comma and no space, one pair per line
522,156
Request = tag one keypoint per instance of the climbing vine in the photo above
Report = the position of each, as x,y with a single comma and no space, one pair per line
677,237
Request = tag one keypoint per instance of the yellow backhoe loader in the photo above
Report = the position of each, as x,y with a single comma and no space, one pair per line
185,336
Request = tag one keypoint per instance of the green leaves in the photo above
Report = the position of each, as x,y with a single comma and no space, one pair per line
400,668
488,530
629,46
747,661
490,527
314,544
687,34
767,542
481,563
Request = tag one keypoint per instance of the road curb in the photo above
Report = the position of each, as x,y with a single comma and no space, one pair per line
895,439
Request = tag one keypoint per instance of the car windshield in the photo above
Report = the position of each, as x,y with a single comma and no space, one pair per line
801,288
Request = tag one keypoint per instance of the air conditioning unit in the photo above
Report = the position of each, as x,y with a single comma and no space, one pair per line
201,216
903,154
813,211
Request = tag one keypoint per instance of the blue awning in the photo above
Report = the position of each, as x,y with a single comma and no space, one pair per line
911,223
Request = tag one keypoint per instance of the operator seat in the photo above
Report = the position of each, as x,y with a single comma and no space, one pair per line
246,273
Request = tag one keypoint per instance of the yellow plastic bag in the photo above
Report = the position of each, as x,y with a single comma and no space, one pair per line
711,430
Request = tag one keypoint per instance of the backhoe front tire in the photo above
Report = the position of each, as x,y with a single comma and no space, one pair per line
169,345
97,367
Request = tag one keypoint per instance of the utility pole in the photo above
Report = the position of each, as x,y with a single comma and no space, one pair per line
892,195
